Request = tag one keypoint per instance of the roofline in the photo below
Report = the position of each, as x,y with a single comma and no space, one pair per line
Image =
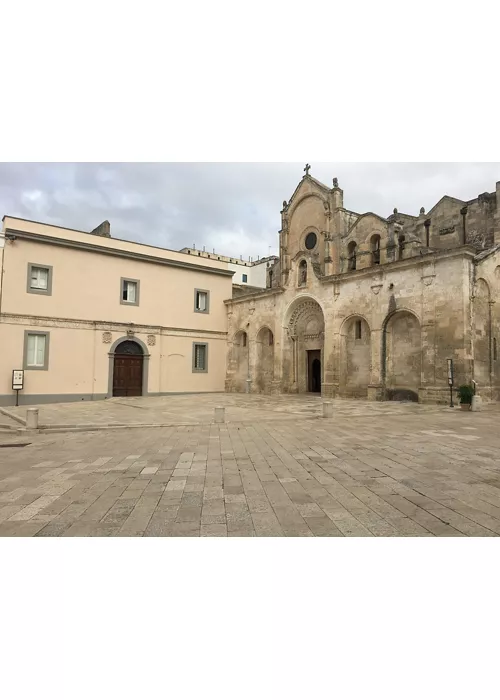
120,253
89,233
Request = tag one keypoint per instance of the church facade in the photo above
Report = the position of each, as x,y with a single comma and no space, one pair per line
359,305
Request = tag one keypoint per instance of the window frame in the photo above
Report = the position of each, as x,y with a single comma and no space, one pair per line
358,326
137,295
207,309
194,368
33,290
45,365
244,278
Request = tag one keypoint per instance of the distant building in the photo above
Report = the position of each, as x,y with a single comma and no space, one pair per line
253,273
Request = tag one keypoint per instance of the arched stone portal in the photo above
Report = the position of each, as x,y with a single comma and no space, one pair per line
303,347
402,356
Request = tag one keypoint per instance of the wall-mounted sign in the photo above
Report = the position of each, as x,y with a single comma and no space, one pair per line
17,379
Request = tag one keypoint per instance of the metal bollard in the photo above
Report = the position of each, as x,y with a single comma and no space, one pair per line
219,414
328,409
32,419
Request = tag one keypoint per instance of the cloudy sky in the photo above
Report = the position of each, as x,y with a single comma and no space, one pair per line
232,207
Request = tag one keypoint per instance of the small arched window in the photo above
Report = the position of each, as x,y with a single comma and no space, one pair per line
303,273
401,246
351,253
375,248
270,278
244,340
271,338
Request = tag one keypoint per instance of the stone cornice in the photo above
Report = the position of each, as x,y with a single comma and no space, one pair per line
113,326
414,261
251,297
116,252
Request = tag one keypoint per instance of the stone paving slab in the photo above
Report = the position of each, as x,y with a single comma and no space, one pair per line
427,473
188,410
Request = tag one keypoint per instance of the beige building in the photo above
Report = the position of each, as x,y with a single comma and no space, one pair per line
88,316
361,305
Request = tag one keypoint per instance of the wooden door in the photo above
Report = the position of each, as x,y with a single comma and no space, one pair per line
127,375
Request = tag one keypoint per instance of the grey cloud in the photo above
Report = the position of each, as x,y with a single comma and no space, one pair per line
232,207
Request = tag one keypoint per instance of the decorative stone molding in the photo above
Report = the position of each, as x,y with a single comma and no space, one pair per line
376,288
151,340
130,333
107,337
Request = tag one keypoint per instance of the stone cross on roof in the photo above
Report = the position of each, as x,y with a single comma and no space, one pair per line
307,168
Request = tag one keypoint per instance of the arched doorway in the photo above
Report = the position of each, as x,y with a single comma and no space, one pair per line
314,373
402,367
128,369
303,348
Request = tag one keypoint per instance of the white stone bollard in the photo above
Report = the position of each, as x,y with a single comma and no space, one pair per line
219,414
32,419
328,409
476,403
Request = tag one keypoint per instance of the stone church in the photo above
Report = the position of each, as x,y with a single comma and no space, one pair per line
362,305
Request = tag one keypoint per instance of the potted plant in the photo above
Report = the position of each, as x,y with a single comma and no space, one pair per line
465,394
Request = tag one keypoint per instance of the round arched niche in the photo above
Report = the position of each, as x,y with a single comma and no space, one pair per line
355,357
402,356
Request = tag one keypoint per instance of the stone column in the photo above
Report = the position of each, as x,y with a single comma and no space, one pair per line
376,385
330,385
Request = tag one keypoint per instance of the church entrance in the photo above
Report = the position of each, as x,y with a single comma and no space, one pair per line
314,371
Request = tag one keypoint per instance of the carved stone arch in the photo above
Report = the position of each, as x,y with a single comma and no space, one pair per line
304,307
350,318
303,361
355,356
402,354
294,205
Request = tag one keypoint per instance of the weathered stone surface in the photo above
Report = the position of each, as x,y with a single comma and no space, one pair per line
377,306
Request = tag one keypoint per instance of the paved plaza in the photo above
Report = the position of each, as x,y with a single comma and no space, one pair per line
275,468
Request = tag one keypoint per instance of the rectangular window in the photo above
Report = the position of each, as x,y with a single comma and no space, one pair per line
39,279
129,292
201,301
36,350
358,330
200,357
245,278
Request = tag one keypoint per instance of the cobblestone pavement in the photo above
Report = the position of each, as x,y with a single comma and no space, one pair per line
189,409
396,470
